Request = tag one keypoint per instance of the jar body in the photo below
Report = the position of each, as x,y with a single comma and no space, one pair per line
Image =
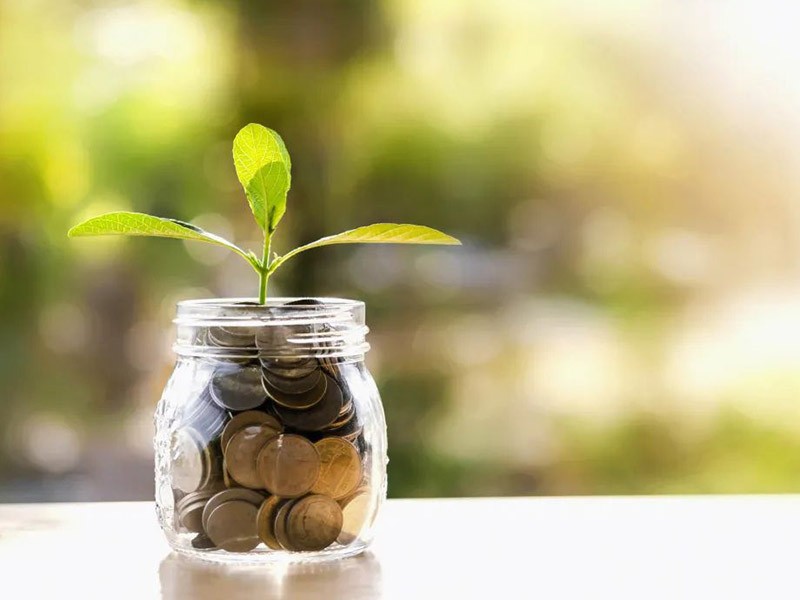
270,435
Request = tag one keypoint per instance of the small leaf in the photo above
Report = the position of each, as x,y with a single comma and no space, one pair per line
253,147
379,233
266,193
264,169
140,224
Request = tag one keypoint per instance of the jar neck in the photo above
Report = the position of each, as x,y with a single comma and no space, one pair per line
241,328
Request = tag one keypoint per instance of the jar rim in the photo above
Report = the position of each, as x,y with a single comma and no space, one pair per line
312,327
245,309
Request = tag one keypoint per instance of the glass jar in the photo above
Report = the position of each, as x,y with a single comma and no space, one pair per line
270,435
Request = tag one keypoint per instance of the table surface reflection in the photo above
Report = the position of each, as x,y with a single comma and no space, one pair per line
699,547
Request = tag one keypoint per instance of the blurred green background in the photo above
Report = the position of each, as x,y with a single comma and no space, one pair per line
623,318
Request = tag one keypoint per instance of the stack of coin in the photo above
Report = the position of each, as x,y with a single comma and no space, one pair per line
271,451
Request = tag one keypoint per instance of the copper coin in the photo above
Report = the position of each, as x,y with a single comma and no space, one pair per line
314,523
340,468
300,401
288,465
232,337
290,370
289,385
279,527
253,497
356,510
266,521
232,526
242,451
318,417
242,420
189,461
237,387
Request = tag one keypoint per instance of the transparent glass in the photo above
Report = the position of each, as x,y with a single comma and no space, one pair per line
270,435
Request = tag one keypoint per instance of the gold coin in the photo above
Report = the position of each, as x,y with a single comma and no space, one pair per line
288,465
266,521
340,468
355,511
241,453
279,527
314,523
189,468
253,497
242,420
232,526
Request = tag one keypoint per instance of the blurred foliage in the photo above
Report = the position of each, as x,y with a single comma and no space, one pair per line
617,321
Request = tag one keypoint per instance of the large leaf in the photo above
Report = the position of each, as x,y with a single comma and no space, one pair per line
266,193
264,169
379,233
140,224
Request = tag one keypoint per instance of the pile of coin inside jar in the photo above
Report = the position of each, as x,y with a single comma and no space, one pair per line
270,451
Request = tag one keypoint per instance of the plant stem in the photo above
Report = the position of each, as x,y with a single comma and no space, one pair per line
264,272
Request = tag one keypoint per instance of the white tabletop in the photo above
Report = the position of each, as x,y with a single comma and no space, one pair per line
643,548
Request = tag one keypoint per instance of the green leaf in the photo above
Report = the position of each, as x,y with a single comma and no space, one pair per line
379,233
264,168
266,193
140,224
255,146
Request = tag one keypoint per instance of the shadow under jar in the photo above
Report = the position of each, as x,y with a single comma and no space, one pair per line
270,435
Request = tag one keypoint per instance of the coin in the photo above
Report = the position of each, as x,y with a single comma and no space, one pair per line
340,468
290,368
202,542
204,416
293,385
232,337
313,523
241,453
321,415
250,417
279,527
253,497
232,526
189,467
288,465
343,418
190,510
355,511
237,387
301,400
266,521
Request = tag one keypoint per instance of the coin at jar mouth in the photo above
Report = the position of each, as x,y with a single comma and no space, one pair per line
232,337
319,416
242,451
313,523
340,468
232,526
245,495
266,521
279,526
189,461
244,419
290,368
237,387
288,465
356,510
299,385
299,401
